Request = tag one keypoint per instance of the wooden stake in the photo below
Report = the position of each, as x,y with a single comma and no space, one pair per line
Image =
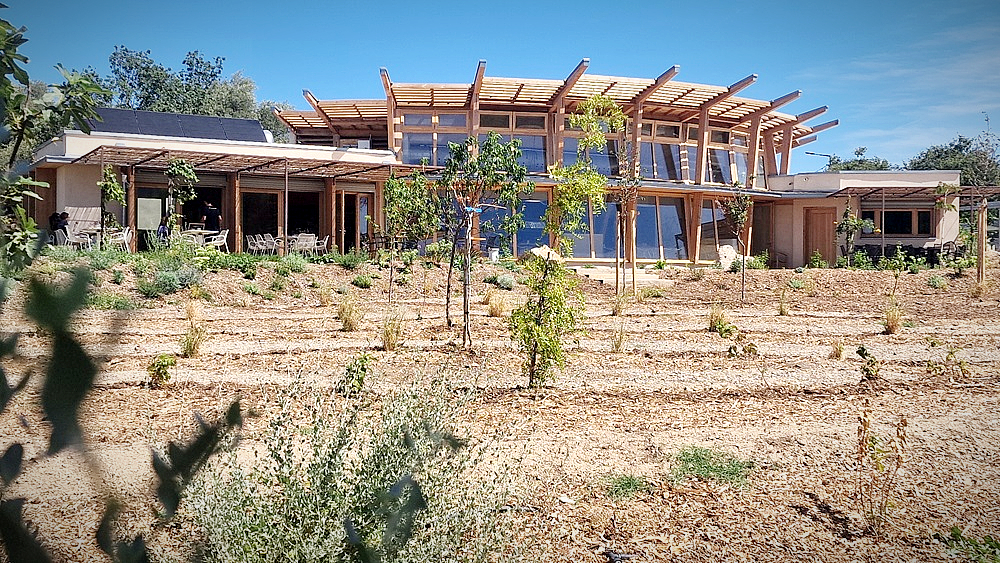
981,243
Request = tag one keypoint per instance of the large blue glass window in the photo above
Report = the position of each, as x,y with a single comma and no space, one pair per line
646,160
668,162
451,120
489,226
605,162
443,152
647,244
741,167
605,231
712,225
693,163
580,242
416,147
532,234
720,171
672,228
532,152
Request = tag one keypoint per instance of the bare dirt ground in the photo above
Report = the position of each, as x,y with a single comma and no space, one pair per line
792,409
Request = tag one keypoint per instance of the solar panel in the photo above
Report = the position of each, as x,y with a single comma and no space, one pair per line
115,121
154,123
202,127
243,130
138,122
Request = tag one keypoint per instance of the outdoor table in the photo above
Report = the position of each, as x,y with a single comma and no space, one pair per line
199,234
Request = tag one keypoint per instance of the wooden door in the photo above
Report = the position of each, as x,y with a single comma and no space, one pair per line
819,233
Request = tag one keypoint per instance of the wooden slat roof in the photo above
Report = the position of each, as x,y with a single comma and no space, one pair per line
910,191
252,164
668,100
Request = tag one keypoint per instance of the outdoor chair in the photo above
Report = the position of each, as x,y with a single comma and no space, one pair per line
77,241
219,241
122,239
305,243
253,247
321,245
195,226
272,243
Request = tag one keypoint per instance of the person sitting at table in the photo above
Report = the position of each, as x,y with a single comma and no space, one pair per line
211,216
62,223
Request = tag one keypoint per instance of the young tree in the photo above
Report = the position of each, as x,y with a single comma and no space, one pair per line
737,211
181,179
475,173
849,226
580,183
551,313
411,213
111,190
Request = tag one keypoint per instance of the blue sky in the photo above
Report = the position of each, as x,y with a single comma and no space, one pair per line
900,76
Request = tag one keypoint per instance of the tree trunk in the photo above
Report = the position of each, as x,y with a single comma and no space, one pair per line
451,269
467,283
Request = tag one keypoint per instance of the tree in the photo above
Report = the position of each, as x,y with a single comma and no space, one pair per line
859,162
737,211
181,179
137,81
849,226
580,183
976,157
411,213
26,109
475,173
551,313
111,190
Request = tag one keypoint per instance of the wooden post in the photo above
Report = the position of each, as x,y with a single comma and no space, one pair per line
231,214
131,213
981,243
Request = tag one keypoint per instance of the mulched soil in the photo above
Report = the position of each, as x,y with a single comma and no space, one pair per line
791,408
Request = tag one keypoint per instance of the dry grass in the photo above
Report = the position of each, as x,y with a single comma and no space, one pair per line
618,339
620,303
979,290
836,350
717,318
350,314
325,297
782,304
194,337
496,304
392,331
893,317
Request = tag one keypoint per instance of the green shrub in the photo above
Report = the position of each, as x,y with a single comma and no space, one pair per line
251,288
816,260
279,283
986,550
159,370
105,259
117,277
758,262
110,301
294,262
796,283
438,251
282,270
709,464
363,281
937,282
503,281
389,475
355,372
347,261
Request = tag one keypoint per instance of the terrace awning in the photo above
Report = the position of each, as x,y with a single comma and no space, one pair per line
893,192
244,163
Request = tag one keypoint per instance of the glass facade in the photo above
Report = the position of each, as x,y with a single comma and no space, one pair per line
606,230
451,120
647,243
532,152
672,228
720,171
605,162
532,235
712,221
443,152
417,147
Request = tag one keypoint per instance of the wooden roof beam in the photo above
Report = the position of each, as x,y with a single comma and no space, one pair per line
477,84
773,105
824,126
568,84
730,92
800,118
386,82
652,88
319,111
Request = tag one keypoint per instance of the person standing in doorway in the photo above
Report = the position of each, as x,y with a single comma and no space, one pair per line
212,217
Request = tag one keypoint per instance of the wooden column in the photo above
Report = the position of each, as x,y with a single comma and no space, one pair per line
131,208
753,151
699,177
694,227
786,149
981,243
770,162
328,212
231,211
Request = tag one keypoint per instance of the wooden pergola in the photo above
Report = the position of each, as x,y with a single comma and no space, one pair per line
234,165
663,98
